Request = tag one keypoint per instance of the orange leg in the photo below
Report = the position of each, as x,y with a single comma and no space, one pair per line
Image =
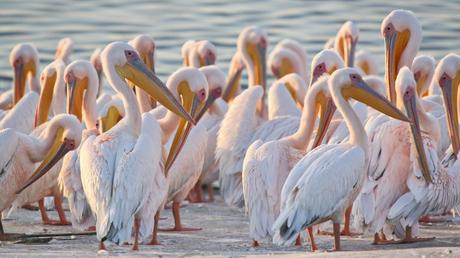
346,227
101,245
312,239
255,243
210,193
60,209
298,241
198,191
177,223
336,237
136,234
410,239
154,240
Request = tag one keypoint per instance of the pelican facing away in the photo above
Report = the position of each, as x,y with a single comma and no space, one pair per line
118,167
335,170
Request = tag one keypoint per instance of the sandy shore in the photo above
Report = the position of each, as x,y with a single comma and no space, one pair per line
223,234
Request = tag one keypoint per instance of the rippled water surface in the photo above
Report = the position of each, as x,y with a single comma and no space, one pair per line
93,24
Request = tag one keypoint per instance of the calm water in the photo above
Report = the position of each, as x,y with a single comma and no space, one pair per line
93,24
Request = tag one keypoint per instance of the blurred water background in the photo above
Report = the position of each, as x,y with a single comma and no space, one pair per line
93,24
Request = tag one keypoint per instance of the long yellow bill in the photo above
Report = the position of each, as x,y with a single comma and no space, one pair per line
233,83
257,53
192,104
450,96
326,108
57,151
46,97
137,72
362,92
75,92
111,119
395,43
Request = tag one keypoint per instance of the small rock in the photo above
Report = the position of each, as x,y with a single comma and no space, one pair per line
103,252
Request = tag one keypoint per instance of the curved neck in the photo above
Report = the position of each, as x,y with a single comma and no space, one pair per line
40,146
143,100
357,133
168,124
301,137
132,118
59,92
89,103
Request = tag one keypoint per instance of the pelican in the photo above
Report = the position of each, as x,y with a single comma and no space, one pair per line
366,61
266,165
95,59
199,53
287,57
285,95
118,167
184,162
390,162
389,139
402,34
282,61
233,136
145,46
345,42
21,152
442,192
232,88
64,50
82,88
52,98
24,60
423,69
110,113
211,121
336,170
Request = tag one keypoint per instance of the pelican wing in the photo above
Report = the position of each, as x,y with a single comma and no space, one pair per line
323,192
265,169
8,177
21,117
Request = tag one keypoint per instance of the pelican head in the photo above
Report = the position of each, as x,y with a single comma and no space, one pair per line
185,51
234,78
206,54
447,74
67,136
24,60
189,85
51,78
345,42
121,62
145,46
252,44
283,61
296,86
216,83
326,61
423,70
406,89
329,44
366,62
349,84
297,48
111,113
82,86
402,34
95,59
64,49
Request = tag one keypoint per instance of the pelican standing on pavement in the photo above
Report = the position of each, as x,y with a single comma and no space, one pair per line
118,167
343,163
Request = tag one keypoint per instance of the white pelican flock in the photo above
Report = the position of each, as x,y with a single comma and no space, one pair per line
326,140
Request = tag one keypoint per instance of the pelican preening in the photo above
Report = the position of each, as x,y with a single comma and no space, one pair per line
388,156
